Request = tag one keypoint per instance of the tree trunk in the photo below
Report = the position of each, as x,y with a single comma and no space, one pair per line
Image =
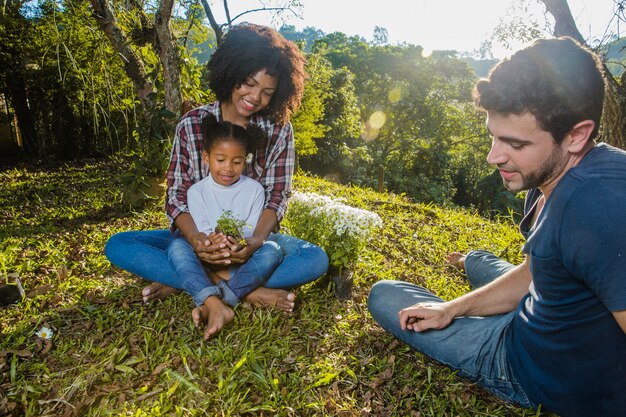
614,115
217,28
564,24
25,122
64,126
133,65
168,53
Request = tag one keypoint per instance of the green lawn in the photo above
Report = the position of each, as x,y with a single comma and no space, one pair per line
112,355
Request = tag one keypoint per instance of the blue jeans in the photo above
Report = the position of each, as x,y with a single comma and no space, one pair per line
144,253
243,280
482,267
473,346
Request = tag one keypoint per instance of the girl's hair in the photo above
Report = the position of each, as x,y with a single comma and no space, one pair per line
253,139
248,48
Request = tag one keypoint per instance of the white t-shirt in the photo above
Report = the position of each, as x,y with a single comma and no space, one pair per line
207,200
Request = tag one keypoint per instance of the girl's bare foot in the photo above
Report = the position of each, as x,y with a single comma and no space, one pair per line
456,260
156,291
214,313
270,297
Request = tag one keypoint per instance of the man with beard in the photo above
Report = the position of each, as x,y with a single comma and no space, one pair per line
551,331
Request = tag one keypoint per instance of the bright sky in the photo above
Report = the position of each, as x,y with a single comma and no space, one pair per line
461,25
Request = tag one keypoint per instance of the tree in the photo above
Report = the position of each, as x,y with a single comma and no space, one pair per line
169,56
133,64
409,106
15,39
307,121
339,151
308,36
278,7
63,81
381,36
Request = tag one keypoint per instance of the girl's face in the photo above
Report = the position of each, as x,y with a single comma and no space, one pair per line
226,160
254,94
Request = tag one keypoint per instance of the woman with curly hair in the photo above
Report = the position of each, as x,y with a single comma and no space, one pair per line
258,78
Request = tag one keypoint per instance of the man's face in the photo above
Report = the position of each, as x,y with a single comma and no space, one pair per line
525,155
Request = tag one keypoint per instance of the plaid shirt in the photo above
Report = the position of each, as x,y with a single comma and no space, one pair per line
274,169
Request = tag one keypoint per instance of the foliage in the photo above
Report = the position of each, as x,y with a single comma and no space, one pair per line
307,121
150,160
341,230
199,40
366,108
110,354
381,36
336,151
308,35
65,80
65,85
231,226
413,108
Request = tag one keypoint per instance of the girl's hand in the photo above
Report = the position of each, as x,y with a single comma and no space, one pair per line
240,254
218,238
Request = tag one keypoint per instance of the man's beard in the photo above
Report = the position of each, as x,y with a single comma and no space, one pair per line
548,170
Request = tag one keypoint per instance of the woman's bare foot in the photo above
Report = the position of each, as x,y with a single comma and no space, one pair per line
269,297
157,291
456,260
214,313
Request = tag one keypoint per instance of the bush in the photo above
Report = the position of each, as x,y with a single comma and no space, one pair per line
341,230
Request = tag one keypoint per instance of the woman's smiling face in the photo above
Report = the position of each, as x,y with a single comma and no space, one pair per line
254,94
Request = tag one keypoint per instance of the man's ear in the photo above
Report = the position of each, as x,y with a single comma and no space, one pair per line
579,136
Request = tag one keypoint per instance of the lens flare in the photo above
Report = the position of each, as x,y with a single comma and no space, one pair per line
395,95
377,120
368,133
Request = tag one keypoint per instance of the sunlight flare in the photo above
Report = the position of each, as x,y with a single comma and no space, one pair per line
377,120
394,95
368,133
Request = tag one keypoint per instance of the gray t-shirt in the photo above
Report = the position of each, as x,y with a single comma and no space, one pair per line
207,200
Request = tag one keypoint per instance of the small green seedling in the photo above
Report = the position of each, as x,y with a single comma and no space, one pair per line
231,226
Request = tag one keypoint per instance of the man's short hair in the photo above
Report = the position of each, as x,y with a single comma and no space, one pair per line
559,81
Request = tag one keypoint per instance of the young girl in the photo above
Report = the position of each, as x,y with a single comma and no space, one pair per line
227,150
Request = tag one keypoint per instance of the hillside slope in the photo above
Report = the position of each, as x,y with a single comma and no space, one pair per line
112,355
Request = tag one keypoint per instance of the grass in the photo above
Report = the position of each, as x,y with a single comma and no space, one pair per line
112,355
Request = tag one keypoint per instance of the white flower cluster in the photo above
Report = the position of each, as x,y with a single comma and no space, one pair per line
355,222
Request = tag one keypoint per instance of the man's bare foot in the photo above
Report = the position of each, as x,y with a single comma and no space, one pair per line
270,297
156,291
214,313
456,260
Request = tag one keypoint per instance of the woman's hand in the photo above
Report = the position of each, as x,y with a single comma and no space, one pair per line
424,316
198,241
212,249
